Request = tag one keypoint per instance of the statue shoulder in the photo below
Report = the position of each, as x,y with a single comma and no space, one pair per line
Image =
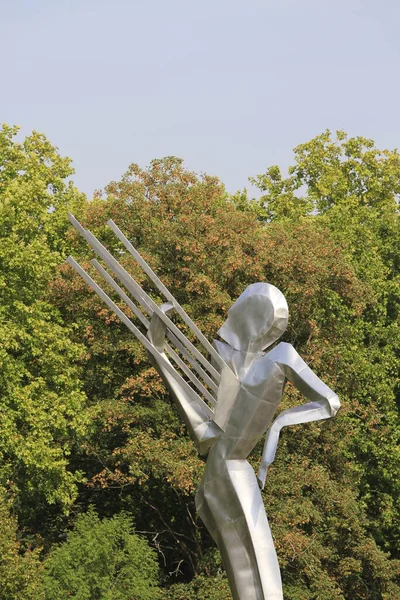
225,351
282,352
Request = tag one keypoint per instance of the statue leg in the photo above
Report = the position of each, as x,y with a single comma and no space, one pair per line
229,503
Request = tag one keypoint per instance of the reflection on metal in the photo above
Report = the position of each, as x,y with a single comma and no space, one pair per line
229,409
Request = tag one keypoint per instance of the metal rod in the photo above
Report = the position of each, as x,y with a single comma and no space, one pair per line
128,281
145,322
146,343
120,292
210,382
140,295
148,270
190,375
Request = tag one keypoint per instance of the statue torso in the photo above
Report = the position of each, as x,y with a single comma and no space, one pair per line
247,401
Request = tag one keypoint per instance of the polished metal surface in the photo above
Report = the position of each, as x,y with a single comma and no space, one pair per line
229,409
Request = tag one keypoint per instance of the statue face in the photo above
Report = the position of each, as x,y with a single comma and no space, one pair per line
257,319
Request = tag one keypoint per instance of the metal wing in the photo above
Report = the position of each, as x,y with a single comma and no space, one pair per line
195,370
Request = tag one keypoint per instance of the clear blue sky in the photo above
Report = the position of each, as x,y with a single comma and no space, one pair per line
230,86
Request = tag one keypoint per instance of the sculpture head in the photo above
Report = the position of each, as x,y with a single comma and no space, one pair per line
257,319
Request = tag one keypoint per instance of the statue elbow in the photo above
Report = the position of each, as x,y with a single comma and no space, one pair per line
334,404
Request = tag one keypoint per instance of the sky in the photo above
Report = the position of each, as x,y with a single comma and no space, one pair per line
229,86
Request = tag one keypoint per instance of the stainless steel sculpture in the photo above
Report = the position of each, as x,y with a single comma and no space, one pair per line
227,403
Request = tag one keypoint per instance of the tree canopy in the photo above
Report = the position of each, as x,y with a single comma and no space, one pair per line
102,559
41,397
88,423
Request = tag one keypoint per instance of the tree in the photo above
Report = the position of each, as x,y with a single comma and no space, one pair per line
85,420
352,188
41,398
207,249
102,560
21,574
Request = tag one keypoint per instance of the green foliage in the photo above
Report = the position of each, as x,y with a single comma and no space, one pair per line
328,235
41,400
102,560
353,189
201,588
21,575
330,173
208,248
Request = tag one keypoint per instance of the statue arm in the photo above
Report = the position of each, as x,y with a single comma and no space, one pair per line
324,402
199,422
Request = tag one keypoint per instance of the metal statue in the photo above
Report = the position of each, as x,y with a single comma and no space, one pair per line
227,403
